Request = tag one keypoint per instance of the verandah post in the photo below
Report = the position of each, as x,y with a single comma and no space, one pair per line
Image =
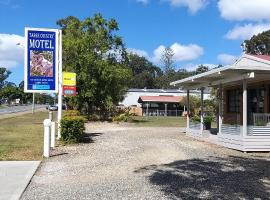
202,110
220,103
188,110
244,107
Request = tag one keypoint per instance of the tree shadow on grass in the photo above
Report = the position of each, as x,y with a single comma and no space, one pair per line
212,178
89,137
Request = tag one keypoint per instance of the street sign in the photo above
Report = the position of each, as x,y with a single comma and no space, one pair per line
41,60
69,79
69,90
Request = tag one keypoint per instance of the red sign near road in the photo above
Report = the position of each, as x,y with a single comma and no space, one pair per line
69,90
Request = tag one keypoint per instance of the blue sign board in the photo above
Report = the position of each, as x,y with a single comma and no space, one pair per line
41,60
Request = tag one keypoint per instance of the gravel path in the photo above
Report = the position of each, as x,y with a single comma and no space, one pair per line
126,162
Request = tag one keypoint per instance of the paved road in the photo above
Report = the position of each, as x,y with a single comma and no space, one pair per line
17,109
124,162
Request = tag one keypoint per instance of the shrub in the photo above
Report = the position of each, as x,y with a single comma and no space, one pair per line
93,117
72,128
196,118
70,113
208,119
124,117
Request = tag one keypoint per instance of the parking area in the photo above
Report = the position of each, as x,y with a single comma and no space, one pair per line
130,162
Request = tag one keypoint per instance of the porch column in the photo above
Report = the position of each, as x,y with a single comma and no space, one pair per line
244,107
201,110
220,104
147,106
165,109
187,110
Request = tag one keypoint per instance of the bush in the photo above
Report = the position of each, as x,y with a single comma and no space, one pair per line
93,117
72,128
208,119
70,113
124,117
196,118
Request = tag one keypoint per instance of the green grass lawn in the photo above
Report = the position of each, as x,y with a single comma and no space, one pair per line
21,137
159,121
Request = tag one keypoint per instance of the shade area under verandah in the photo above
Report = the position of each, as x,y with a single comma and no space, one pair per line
244,103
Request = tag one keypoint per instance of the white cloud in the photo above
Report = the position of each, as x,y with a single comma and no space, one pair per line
138,52
181,52
246,31
226,59
10,53
192,5
143,1
239,10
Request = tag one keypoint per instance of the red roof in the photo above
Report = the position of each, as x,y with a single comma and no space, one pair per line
264,57
165,99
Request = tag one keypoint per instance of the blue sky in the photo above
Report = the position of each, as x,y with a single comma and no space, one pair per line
199,31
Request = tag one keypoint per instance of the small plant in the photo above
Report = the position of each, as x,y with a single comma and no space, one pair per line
261,123
123,117
207,120
93,117
72,127
196,118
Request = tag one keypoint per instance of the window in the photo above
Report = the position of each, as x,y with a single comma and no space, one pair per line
233,101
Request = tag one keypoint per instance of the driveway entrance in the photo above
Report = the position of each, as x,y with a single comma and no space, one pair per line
127,162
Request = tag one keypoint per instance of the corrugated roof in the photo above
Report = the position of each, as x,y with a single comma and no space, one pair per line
164,99
264,57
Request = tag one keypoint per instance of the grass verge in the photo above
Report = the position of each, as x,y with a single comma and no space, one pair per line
159,121
21,137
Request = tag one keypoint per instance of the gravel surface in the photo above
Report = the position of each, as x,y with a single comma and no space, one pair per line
126,162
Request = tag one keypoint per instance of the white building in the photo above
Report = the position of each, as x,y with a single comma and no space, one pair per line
132,96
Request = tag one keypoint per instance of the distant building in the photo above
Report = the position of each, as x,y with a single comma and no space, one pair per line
163,105
133,95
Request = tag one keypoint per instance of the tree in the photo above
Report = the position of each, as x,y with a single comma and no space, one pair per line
10,92
97,55
194,104
201,69
24,97
258,44
4,74
167,60
143,71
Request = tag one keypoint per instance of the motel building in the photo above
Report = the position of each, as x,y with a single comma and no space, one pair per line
244,103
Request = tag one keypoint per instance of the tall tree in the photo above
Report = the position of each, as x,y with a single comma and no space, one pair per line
201,68
143,71
258,44
167,60
92,49
4,74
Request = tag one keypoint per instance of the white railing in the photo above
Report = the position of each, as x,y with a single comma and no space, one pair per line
261,119
156,112
258,131
231,129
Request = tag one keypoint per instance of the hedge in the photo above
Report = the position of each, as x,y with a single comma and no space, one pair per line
72,127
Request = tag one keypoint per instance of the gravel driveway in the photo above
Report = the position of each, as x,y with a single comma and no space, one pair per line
126,162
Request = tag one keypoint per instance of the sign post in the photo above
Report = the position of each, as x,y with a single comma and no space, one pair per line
60,91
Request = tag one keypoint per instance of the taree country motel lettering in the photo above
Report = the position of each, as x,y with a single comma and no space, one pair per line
44,43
